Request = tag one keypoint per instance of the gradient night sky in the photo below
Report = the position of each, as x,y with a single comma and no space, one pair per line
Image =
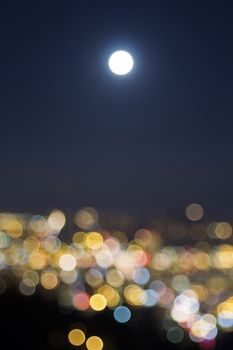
74,134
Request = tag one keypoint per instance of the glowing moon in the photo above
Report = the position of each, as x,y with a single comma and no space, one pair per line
121,62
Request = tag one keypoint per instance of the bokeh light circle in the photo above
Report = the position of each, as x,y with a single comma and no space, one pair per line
122,314
76,337
94,343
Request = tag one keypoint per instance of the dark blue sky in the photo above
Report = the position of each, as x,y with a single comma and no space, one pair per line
73,134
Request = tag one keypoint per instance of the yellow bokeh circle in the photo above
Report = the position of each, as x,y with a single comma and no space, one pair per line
76,337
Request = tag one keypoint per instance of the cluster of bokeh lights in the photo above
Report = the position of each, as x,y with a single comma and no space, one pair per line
77,338
99,269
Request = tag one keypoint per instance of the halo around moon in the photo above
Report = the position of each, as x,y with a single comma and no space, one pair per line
121,62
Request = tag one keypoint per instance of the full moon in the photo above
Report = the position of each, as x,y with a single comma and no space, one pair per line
121,62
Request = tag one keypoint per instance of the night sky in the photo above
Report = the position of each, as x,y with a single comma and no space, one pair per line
74,134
